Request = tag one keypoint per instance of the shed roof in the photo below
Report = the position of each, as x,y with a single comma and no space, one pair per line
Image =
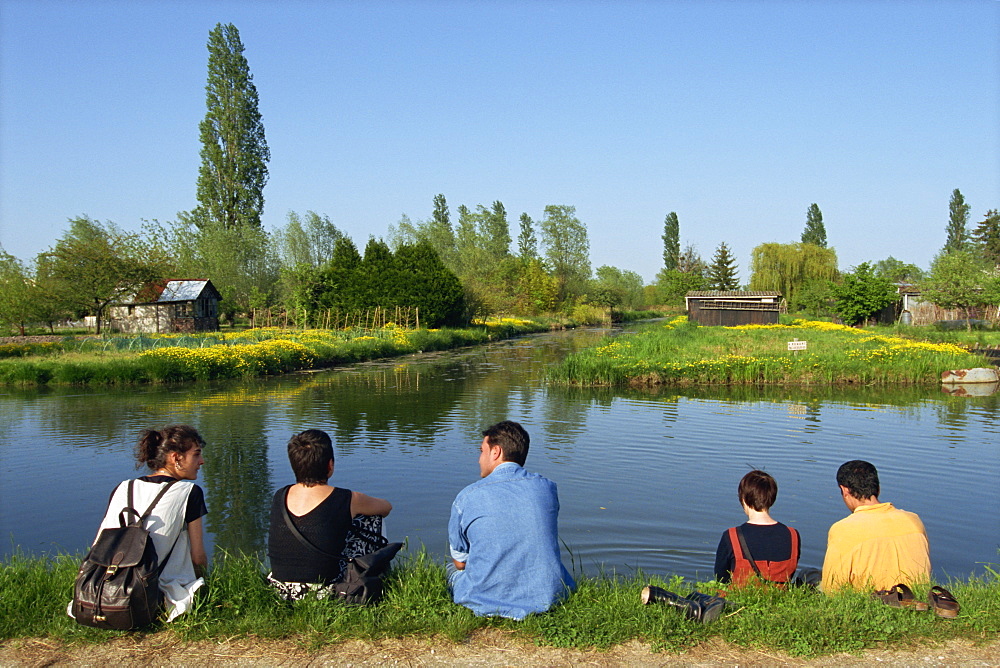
733,293
183,291
167,292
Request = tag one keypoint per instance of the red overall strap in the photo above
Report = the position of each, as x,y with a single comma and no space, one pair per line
741,568
776,571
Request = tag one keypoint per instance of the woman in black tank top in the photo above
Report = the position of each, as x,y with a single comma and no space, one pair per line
319,513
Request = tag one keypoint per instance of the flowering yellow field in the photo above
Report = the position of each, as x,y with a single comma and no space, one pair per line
256,352
682,353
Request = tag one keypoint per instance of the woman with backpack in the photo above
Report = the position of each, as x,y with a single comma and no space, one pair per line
761,548
172,507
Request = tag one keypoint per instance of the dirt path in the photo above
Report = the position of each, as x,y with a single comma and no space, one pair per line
486,649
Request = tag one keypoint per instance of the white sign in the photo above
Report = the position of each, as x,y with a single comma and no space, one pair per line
796,345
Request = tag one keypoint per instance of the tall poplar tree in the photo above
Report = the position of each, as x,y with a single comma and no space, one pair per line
671,242
958,218
494,231
439,231
814,232
234,153
527,243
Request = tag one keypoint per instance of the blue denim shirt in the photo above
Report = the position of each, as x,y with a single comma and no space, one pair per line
504,527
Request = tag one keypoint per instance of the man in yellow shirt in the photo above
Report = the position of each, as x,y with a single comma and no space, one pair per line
877,545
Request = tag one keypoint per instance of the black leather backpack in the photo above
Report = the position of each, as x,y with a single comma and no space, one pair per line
118,584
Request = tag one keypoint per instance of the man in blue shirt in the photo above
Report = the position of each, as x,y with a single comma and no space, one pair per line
503,533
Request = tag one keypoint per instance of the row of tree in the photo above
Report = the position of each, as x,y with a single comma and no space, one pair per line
453,271
778,266
308,265
549,270
964,275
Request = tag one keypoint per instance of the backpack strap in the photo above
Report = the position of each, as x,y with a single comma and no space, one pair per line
130,509
124,517
298,534
746,552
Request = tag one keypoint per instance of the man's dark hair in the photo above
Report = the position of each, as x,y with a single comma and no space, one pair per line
512,439
758,490
309,453
859,477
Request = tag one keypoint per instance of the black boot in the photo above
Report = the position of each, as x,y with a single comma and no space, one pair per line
652,594
708,608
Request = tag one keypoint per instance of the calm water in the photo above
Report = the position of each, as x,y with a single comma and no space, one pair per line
645,479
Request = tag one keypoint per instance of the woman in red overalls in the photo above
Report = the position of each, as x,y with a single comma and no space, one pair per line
773,546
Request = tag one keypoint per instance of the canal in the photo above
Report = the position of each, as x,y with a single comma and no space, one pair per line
646,479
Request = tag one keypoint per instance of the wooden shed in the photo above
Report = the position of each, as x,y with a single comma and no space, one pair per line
167,307
733,307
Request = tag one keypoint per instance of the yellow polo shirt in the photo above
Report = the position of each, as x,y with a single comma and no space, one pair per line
876,547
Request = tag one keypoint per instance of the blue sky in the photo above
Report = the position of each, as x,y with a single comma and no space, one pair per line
736,115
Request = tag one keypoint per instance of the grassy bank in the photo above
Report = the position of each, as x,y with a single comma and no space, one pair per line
605,611
975,338
170,358
679,352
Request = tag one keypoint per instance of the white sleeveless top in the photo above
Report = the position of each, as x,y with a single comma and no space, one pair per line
166,525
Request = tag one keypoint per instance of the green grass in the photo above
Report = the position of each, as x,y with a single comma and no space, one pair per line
125,360
682,353
605,611
960,337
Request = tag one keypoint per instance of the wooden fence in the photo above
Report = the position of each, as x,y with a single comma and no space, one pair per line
378,317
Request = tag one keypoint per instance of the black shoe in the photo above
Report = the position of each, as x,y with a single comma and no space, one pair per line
709,608
652,594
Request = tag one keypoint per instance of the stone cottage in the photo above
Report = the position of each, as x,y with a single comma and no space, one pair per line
169,307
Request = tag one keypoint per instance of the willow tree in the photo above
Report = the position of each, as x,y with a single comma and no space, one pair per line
234,153
787,268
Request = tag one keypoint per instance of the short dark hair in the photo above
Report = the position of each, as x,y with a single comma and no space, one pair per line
512,439
859,477
309,453
758,490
